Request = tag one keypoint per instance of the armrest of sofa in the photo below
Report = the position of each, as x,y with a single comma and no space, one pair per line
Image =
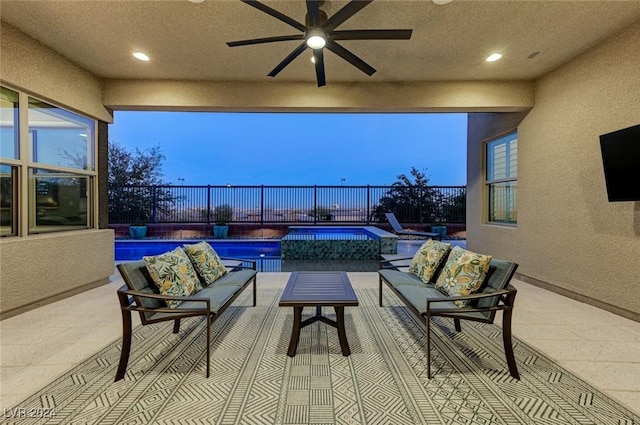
127,302
389,262
504,301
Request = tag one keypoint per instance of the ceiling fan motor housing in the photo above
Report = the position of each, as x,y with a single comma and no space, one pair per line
309,23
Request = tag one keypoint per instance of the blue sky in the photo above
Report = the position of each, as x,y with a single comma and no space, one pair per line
218,148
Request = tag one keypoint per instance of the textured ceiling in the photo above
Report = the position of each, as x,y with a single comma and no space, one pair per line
186,41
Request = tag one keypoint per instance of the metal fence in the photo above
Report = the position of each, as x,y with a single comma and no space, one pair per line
272,204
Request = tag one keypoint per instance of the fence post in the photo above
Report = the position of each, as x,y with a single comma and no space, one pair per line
208,204
315,204
420,204
262,205
368,204
154,204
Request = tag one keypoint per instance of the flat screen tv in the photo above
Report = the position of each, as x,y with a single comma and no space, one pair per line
621,163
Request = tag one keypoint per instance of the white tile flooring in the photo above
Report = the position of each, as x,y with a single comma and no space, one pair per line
600,347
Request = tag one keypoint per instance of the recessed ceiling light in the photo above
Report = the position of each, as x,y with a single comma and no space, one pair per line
196,1
141,56
441,2
494,57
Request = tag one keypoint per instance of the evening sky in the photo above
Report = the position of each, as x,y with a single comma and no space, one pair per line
220,148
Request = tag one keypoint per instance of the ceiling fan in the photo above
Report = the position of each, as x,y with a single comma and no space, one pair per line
319,31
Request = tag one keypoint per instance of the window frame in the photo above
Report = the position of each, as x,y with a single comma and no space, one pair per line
509,181
25,196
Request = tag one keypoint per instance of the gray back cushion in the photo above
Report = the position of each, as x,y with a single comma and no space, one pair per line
137,278
498,277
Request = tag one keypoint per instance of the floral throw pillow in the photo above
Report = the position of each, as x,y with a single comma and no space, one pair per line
427,259
206,261
174,275
463,273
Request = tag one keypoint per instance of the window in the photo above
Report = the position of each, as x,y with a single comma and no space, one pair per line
8,161
59,200
54,169
502,179
60,137
8,224
8,123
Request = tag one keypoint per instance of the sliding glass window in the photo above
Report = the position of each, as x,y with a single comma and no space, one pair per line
62,145
50,171
502,179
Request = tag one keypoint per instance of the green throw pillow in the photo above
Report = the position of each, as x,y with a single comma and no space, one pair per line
174,275
206,262
427,259
463,273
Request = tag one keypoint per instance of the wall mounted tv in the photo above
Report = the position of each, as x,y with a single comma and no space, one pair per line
621,163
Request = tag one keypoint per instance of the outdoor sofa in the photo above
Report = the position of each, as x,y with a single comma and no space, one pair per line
209,295
427,286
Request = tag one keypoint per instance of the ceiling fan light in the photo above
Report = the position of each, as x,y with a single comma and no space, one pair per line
316,42
316,39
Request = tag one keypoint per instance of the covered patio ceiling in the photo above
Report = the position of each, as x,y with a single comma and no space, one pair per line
187,41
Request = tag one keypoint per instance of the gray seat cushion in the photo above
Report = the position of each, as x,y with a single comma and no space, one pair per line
235,278
396,277
418,296
219,295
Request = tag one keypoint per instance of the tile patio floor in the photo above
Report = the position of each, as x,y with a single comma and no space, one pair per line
600,347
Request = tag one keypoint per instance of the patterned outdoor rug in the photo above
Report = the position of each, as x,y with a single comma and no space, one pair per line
384,380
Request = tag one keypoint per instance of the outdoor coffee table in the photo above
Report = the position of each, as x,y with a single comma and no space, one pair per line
318,289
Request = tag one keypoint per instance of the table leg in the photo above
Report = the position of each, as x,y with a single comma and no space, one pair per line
342,335
295,332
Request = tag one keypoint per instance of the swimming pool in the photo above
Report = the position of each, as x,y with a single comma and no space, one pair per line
126,250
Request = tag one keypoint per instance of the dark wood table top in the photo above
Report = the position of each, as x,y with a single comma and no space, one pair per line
318,289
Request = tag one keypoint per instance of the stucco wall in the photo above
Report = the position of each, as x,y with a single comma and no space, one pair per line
39,268
28,65
568,234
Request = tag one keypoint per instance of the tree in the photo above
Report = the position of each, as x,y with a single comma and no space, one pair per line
412,200
134,177
405,198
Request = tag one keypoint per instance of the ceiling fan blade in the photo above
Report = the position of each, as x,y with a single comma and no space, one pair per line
318,56
265,40
350,57
350,9
313,10
372,35
286,61
278,15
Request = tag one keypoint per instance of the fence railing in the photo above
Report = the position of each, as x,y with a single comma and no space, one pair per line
271,204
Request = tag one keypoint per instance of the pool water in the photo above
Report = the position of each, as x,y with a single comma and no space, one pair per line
126,250
266,253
